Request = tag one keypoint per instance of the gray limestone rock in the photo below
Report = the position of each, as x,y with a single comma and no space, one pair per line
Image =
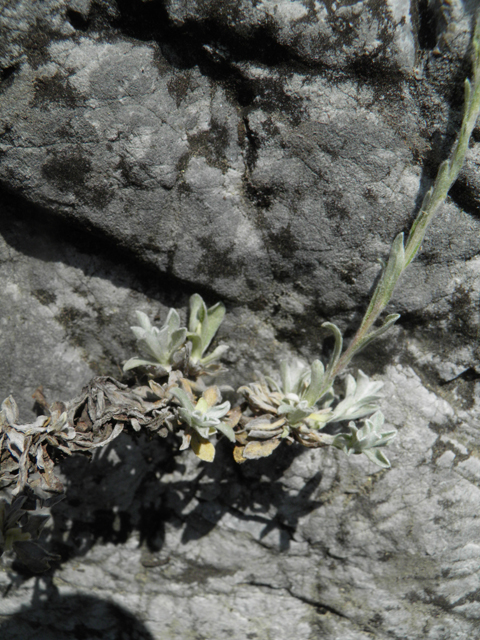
265,154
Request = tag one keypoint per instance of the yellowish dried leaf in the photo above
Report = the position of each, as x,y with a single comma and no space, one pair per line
234,416
202,448
212,396
238,455
255,450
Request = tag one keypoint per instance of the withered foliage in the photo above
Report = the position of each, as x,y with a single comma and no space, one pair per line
176,396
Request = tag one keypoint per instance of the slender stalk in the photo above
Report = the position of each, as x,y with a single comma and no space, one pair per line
400,255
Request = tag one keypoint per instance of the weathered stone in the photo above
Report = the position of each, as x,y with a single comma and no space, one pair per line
265,154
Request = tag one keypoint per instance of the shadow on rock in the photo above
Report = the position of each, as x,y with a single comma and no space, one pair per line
52,616
147,487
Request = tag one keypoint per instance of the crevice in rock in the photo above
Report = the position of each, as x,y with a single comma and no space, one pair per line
217,49
77,20
23,224
426,24
469,375
465,196
6,76
318,606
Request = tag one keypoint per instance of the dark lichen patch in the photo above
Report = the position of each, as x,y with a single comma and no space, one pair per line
336,211
446,503
249,141
377,65
179,86
212,144
272,97
261,196
36,41
69,316
71,171
131,174
99,196
196,573
441,446
216,261
374,622
44,297
55,89
449,426
68,170
283,242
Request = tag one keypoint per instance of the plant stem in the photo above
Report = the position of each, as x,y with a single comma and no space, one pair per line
401,257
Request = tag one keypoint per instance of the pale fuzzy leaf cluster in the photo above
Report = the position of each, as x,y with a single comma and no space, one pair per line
172,345
301,400
159,345
367,439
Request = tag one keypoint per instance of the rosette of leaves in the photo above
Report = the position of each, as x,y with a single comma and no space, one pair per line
367,439
202,419
304,402
299,395
203,324
160,346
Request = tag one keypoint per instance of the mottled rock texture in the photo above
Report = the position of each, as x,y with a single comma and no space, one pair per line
266,154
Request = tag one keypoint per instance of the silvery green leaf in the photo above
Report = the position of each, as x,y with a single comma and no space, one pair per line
214,319
177,339
273,384
337,351
375,333
160,345
205,419
198,419
173,320
360,398
144,321
196,350
378,457
295,376
314,391
202,326
295,411
198,310
227,431
215,355
366,440
219,410
132,363
388,279
183,398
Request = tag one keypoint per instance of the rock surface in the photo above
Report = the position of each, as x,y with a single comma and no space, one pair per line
265,154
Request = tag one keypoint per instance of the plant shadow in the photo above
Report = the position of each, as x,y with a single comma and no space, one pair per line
148,487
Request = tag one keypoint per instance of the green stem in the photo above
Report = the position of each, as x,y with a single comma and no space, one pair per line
400,256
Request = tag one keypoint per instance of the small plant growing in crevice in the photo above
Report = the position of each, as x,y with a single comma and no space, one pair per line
180,395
